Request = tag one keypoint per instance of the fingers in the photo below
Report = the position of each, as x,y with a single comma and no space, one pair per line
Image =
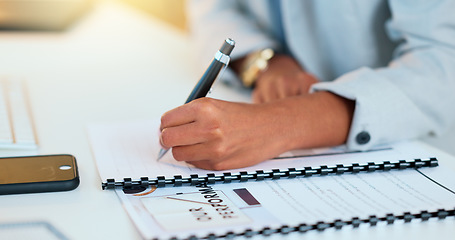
180,126
287,87
200,152
178,116
236,161
239,159
186,134
264,92
271,89
192,123
203,157
221,135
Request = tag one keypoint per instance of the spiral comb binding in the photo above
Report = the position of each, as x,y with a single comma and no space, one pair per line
260,175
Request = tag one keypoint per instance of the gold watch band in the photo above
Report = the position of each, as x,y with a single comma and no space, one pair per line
254,64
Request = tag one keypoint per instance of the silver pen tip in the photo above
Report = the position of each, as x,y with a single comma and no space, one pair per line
161,153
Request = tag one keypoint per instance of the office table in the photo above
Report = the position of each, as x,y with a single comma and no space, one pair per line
119,64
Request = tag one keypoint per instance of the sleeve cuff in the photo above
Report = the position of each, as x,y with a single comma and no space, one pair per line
383,113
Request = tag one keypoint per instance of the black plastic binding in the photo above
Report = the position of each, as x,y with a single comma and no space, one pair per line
387,166
268,231
194,179
442,214
144,182
425,216
303,228
324,170
259,175
249,233
276,174
127,183
292,173
229,235
285,229
244,176
373,220
337,224
390,218
321,226
340,169
356,168
355,222
211,179
407,217
211,236
178,182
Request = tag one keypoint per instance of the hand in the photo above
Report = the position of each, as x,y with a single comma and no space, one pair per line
215,134
219,135
283,78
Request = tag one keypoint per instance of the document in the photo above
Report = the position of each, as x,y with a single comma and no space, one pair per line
397,182
129,150
241,207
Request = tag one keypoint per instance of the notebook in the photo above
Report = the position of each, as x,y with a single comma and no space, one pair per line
291,206
300,191
125,154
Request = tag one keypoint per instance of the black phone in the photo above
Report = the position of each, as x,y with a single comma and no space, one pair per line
33,174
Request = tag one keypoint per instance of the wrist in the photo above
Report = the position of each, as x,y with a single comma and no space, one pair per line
253,65
319,119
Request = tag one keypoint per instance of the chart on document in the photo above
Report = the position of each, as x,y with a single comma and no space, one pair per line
238,207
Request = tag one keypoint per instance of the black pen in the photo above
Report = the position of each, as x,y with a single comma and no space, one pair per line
220,61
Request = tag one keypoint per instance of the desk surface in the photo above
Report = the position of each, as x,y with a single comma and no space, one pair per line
114,65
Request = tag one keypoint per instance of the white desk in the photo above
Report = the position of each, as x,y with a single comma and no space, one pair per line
117,64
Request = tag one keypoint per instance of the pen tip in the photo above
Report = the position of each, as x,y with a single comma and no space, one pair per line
161,154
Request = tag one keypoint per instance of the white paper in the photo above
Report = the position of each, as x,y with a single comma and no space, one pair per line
289,202
190,211
129,150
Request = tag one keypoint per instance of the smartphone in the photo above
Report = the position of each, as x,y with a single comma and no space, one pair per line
34,174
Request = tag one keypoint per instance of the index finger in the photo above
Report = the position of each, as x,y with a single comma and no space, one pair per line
177,116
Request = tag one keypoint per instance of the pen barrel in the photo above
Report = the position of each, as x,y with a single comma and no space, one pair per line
227,46
205,83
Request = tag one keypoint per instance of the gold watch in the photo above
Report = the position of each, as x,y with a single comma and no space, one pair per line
254,64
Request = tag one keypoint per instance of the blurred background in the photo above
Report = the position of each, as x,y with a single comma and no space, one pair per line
57,15
170,11
130,40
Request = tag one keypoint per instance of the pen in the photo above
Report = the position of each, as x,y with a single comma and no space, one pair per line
220,61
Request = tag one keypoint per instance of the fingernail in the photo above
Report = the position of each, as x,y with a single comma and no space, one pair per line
161,139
